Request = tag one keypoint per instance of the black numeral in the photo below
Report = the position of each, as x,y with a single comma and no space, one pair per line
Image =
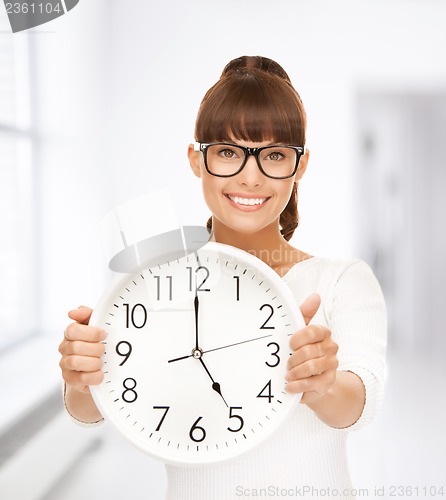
240,419
277,358
237,287
197,429
268,394
198,287
124,351
166,408
158,287
129,395
130,316
264,327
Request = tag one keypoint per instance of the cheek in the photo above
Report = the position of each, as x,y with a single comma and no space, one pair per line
284,193
212,188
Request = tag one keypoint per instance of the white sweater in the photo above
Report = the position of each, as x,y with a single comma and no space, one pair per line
307,453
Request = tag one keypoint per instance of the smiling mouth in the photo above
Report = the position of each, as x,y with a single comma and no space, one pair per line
247,201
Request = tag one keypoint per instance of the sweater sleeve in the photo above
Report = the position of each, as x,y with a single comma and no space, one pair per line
359,326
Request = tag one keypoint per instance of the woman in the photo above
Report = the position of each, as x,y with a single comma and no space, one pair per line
250,155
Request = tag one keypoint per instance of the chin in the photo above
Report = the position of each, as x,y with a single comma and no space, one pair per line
243,227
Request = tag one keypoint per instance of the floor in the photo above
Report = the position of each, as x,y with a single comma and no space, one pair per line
401,454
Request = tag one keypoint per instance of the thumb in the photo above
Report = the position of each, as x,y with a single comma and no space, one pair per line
310,306
81,314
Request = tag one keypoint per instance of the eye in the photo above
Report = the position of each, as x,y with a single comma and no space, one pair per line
275,156
228,153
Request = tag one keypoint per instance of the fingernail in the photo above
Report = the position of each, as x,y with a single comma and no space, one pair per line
103,335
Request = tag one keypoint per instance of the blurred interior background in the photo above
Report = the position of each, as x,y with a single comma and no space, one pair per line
98,107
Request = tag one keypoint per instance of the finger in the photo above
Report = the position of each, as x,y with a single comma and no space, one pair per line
81,380
319,383
310,307
311,368
82,314
80,348
81,363
76,331
326,347
309,335
63,345
305,353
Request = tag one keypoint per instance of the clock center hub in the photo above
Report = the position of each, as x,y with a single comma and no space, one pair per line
197,353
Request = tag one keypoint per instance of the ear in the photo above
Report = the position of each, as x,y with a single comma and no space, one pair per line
303,162
194,160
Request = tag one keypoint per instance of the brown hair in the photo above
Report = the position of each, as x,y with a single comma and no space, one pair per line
254,100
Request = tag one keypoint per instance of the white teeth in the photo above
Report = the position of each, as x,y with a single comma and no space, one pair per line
247,201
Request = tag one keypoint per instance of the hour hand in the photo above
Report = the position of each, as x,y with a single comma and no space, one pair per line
215,385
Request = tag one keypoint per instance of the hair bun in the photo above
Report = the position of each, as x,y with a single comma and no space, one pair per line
248,64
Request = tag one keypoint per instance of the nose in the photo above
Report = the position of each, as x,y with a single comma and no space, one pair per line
251,174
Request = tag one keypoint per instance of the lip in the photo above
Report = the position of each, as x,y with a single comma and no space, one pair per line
246,208
243,195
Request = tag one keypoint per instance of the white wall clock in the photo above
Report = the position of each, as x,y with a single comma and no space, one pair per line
196,355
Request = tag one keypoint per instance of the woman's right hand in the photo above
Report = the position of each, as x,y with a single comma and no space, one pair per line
81,351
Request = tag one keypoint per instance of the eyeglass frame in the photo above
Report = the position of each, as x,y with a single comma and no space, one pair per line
203,147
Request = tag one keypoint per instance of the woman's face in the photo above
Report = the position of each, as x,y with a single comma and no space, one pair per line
226,196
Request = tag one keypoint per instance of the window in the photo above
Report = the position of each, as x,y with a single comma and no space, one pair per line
17,275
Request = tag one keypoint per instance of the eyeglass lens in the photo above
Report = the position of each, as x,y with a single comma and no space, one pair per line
276,161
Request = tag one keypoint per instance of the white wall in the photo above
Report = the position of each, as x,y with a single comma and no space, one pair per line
120,83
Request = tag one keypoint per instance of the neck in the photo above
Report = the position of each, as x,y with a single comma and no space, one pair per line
266,244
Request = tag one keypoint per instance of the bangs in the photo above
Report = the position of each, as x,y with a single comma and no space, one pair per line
253,107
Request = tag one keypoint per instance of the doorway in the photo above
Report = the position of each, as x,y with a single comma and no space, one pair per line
401,219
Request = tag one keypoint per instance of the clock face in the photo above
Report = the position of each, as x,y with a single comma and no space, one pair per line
196,355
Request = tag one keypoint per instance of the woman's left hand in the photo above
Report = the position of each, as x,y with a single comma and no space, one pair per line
313,364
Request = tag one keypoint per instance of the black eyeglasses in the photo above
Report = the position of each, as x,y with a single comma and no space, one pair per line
225,160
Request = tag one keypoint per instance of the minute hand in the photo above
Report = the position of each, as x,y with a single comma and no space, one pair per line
238,343
196,304
222,347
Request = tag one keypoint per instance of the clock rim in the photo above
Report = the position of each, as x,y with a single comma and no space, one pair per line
298,321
